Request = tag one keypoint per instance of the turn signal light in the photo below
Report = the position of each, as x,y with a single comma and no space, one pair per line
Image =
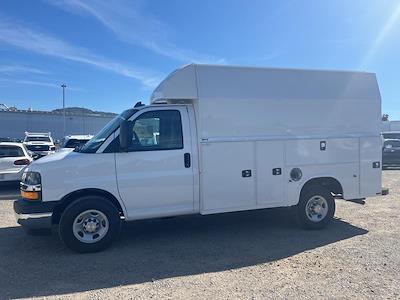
22,162
30,195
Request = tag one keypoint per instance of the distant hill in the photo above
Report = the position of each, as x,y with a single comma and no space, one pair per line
81,111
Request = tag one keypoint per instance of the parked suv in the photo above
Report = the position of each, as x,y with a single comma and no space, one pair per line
39,143
75,141
391,153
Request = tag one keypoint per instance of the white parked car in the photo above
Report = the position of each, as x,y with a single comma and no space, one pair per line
216,139
71,142
14,157
40,143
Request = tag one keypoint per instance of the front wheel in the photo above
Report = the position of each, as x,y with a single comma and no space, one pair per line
316,207
89,224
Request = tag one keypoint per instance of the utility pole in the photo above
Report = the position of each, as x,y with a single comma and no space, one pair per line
63,94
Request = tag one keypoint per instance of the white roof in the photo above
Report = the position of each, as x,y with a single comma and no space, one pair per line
197,81
11,144
79,136
37,133
236,101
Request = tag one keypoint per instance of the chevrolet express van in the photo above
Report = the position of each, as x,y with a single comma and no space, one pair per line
215,139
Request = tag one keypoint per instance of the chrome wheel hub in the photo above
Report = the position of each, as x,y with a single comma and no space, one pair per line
316,208
90,226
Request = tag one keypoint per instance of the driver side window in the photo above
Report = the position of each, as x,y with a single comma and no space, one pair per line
157,130
154,130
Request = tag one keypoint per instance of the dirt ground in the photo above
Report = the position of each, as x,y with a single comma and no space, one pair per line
250,255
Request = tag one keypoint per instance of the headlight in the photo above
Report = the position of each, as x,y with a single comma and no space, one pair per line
31,188
31,178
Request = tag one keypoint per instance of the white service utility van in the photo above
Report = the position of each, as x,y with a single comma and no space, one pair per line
216,139
41,144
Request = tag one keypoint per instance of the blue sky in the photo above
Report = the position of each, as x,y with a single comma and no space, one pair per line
113,53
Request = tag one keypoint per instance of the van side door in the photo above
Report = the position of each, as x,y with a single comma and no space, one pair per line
155,176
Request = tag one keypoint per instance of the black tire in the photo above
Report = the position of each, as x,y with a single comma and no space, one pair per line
81,205
305,197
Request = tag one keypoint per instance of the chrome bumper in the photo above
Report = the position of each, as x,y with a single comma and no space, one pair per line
34,215
34,221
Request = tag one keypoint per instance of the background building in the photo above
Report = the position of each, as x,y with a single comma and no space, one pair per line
390,126
14,122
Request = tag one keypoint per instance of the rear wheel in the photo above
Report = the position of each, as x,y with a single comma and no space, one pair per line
316,207
89,224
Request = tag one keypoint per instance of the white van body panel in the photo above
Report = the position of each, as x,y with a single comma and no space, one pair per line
237,102
156,183
259,119
66,172
222,184
370,178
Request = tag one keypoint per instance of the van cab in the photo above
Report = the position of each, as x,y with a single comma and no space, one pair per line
215,139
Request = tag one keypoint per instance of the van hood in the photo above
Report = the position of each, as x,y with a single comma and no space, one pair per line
68,171
59,159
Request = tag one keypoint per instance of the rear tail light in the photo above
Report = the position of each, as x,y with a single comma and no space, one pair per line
22,162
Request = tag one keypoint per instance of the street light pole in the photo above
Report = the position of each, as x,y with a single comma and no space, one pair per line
63,92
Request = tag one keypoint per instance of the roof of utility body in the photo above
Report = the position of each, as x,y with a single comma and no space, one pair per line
196,81
237,102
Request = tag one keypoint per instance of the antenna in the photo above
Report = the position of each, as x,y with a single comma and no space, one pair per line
139,104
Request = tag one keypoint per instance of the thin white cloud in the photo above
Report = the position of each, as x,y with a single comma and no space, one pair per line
37,83
382,35
16,35
132,24
13,69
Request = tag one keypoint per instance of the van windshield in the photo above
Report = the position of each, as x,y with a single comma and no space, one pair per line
37,139
391,135
94,144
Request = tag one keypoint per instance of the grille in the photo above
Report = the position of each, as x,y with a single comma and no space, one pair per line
38,147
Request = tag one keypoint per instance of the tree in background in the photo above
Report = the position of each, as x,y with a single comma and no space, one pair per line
385,117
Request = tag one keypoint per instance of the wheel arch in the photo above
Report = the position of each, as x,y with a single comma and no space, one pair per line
329,182
71,197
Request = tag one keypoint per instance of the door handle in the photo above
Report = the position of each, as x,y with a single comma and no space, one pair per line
187,160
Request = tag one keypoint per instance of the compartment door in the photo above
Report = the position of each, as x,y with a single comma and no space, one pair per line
370,171
227,177
270,173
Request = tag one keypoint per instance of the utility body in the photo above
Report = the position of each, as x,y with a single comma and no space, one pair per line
216,139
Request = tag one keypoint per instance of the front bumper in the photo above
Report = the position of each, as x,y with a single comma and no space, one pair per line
34,215
43,153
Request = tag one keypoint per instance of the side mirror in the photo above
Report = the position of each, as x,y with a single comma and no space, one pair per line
125,135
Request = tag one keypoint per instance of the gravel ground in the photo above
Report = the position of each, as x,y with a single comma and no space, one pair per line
246,255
